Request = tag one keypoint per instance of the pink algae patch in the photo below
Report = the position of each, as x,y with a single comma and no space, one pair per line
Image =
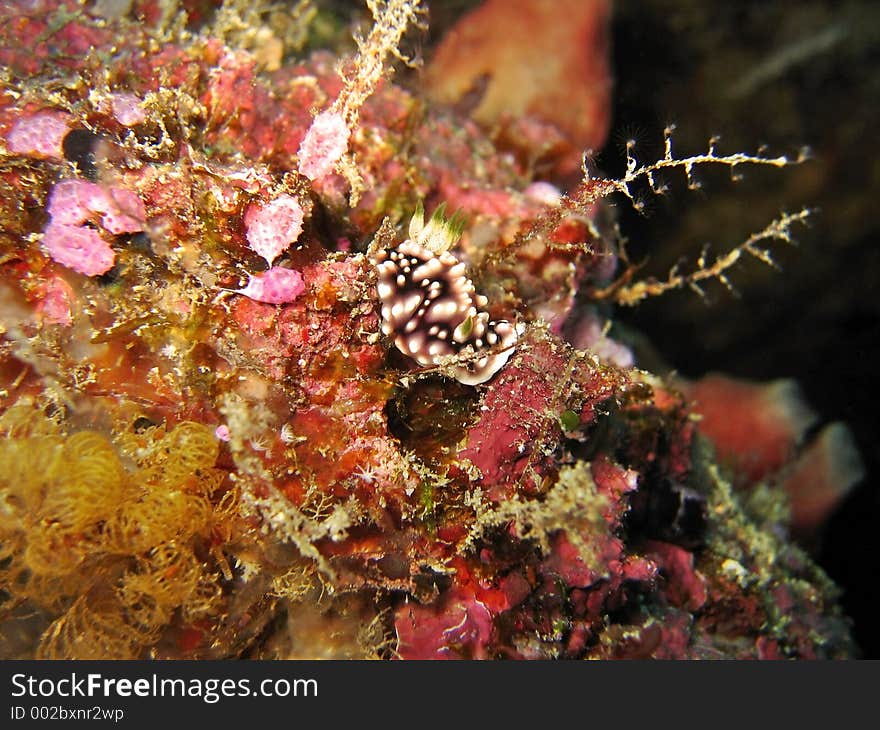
324,143
40,135
74,202
271,227
755,427
56,302
71,202
685,586
459,625
79,248
275,286
123,212
127,109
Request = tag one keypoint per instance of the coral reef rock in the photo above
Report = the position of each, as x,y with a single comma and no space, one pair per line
203,458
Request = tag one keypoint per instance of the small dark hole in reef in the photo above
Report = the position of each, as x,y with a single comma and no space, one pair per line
139,242
327,229
110,277
395,412
55,410
394,566
623,607
429,582
273,626
79,147
432,414
142,423
665,510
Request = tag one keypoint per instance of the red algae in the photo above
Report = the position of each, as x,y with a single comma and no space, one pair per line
756,426
533,67
304,488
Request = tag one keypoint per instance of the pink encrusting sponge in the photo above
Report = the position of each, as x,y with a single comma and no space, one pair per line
324,144
73,203
271,227
79,248
40,135
275,286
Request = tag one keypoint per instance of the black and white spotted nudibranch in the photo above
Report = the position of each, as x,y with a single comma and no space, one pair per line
432,310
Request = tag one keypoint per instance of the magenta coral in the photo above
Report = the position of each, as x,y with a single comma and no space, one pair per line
72,202
544,193
461,628
79,248
123,212
275,286
127,109
56,302
40,135
273,226
324,143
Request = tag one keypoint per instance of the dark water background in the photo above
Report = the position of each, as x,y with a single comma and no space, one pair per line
785,74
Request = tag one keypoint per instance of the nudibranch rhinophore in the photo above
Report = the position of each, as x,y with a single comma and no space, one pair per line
431,308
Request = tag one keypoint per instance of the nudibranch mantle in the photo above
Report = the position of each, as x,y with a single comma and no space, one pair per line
431,308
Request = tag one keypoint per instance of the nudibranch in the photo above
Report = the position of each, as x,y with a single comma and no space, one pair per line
431,309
